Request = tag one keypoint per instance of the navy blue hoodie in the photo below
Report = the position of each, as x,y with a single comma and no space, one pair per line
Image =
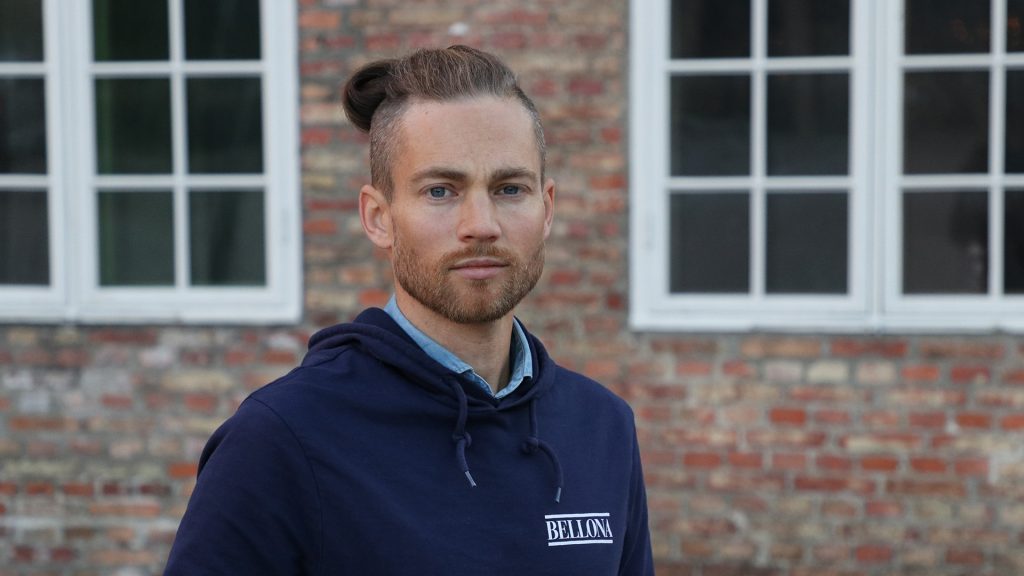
371,458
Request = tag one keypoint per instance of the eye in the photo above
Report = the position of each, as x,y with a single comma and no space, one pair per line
510,190
437,192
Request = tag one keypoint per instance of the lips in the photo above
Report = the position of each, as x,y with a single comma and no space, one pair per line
479,268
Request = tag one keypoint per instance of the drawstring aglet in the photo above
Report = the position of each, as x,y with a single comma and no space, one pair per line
472,483
558,495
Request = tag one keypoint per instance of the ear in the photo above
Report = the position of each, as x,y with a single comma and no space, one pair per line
375,215
549,205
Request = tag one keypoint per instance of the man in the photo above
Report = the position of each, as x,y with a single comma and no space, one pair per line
435,436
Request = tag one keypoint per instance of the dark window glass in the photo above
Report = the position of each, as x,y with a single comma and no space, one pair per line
807,243
947,26
22,126
710,28
21,30
808,124
24,238
1013,243
709,244
710,124
945,243
222,30
1015,25
136,231
1014,121
945,122
133,126
227,238
225,125
130,30
808,27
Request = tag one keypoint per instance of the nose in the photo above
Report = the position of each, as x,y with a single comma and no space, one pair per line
478,220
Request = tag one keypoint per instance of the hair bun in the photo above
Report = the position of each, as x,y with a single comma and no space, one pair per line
365,91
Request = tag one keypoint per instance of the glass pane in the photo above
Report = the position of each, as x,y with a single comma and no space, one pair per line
710,124
1015,25
808,124
222,30
24,238
130,30
808,27
227,238
22,126
225,126
709,244
710,28
136,232
1013,243
945,122
945,243
133,125
947,26
807,243
21,31
1014,121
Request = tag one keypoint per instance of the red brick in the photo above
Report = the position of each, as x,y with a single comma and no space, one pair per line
879,463
927,419
927,465
884,509
974,420
320,227
702,460
788,416
873,553
970,374
182,469
1012,422
78,489
834,463
832,417
885,348
965,556
920,373
319,20
946,488
971,467
316,136
784,461
746,460
833,484
1015,376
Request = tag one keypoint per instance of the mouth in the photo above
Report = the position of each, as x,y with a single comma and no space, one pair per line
479,268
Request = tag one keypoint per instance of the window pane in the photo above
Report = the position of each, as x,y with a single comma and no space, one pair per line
1015,25
709,244
222,30
24,238
225,126
710,28
710,123
22,126
21,30
807,243
133,125
808,124
947,26
227,238
136,232
945,122
1014,121
808,27
130,30
945,243
1013,243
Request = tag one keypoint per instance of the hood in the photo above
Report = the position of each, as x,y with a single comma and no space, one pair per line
375,333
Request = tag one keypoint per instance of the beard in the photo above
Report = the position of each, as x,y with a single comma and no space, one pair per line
466,301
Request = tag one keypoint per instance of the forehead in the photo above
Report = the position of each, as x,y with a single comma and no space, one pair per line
469,134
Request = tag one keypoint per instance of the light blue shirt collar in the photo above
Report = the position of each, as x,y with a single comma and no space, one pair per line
522,360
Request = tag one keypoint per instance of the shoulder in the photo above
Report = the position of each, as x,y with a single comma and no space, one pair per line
589,396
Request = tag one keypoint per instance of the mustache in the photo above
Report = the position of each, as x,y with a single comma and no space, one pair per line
479,251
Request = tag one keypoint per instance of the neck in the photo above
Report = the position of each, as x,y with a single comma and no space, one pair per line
484,346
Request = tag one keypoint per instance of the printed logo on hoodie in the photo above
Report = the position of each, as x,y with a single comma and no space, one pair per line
569,529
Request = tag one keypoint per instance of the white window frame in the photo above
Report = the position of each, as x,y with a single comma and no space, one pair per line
74,293
873,302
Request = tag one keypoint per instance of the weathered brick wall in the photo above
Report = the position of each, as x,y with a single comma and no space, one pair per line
765,454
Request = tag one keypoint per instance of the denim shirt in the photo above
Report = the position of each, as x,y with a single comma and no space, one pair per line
522,361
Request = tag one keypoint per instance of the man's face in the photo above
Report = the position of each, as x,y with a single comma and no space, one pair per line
469,213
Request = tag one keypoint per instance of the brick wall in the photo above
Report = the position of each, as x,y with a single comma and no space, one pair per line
765,454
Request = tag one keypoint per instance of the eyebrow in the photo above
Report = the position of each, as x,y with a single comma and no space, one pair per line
454,175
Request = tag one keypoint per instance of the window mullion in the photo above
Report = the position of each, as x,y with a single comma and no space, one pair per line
997,138
758,241
179,146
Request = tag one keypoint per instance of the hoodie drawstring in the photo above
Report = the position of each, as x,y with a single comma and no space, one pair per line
533,443
460,436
